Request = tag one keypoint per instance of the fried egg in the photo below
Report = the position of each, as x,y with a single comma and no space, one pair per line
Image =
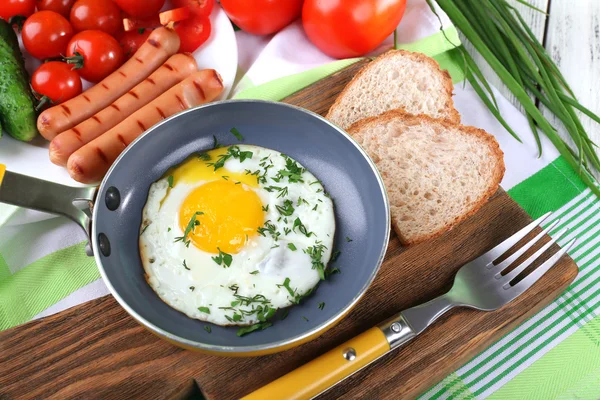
233,234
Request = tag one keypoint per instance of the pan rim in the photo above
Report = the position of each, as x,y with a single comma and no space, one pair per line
286,343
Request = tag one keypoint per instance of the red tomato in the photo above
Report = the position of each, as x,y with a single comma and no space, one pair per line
262,17
175,15
193,32
197,7
57,81
12,8
96,54
102,15
46,34
339,30
63,7
131,41
140,8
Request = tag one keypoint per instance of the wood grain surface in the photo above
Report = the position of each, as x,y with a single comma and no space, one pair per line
95,350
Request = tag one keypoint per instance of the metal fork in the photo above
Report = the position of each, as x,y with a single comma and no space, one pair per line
479,284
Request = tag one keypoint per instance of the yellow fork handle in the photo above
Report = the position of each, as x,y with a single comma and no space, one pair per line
2,170
325,371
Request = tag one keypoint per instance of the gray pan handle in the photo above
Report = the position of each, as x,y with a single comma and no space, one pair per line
36,194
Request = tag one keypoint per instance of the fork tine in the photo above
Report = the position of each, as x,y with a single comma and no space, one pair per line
532,278
504,264
515,272
511,241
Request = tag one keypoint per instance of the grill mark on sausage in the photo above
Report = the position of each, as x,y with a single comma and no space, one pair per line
122,74
66,110
141,125
76,132
101,154
134,94
217,77
122,140
168,66
139,60
162,114
154,43
151,81
87,98
96,119
116,107
104,86
181,103
200,90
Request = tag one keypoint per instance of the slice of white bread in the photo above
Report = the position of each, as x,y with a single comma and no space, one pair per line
437,173
397,79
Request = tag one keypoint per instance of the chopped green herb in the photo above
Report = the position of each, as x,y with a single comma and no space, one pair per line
293,171
207,328
335,255
315,207
192,288
144,229
170,180
225,177
292,246
286,284
283,191
312,183
223,258
229,318
238,183
232,151
287,209
204,156
237,317
316,253
298,224
189,229
235,303
185,266
271,229
265,208
254,272
284,314
321,305
168,229
332,271
275,246
216,143
205,310
286,230
348,239
304,318
237,134
247,329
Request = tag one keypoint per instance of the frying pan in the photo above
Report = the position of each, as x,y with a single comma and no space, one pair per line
348,174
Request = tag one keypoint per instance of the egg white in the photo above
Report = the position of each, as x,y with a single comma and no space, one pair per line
202,284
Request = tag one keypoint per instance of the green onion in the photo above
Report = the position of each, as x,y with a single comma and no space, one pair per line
499,33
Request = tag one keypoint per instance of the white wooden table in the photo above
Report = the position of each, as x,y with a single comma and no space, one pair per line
571,34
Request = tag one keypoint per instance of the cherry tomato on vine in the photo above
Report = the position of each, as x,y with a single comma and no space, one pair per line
102,15
197,7
46,34
193,32
339,31
57,81
63,7
262,17
95,53
132,40
139,8
13,8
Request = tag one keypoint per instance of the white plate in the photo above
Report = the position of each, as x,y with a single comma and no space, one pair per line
219,52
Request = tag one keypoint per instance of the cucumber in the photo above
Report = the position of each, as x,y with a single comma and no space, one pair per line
7,33
17,104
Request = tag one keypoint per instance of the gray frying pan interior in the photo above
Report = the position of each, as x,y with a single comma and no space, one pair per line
361,208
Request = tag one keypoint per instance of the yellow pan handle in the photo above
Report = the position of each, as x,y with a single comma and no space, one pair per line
324,372
2,170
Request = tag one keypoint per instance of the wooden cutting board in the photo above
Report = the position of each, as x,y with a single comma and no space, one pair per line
95,350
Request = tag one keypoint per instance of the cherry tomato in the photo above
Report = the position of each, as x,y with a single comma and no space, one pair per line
63,7
340,31
13,8
46,34
197,7
102,15
57,81
262,17
193,32
131,41
140,8
96,54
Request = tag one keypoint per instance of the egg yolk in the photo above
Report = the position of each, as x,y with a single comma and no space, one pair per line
231,215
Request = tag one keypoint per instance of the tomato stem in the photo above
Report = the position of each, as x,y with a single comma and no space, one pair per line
18,21
76,60
42,103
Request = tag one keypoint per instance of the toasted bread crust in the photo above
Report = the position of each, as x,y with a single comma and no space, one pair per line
454,116
355,131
